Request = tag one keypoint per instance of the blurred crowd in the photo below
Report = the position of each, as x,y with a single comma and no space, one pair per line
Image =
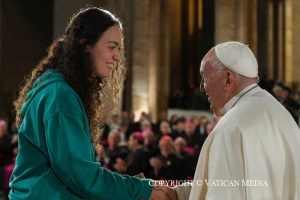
190,97
165,150
8,152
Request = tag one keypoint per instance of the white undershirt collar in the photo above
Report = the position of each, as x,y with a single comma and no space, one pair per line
231,103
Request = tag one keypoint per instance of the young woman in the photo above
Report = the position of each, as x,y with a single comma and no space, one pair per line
58,118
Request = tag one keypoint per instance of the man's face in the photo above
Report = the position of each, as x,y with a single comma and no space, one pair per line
3,128
132,142
213,81
113,140
165,147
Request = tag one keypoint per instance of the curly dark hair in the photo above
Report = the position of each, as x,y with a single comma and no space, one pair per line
68,56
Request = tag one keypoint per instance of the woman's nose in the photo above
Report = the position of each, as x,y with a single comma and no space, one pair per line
117,55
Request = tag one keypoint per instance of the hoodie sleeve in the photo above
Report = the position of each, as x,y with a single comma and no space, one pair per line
69,149
71,152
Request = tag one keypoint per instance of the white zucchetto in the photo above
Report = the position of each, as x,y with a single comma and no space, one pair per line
238,57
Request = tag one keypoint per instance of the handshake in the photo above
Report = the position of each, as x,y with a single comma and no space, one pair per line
163,193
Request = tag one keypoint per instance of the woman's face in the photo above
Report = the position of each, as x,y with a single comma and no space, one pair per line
106,53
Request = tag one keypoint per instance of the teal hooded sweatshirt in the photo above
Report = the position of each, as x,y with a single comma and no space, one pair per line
56,156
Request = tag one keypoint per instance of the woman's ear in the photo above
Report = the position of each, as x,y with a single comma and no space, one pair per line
87,47
82,41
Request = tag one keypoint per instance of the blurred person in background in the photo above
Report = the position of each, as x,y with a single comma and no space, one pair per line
113,151
150,143
167,166
137,160
189,159
8,151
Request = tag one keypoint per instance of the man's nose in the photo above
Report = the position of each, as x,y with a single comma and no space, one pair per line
201,87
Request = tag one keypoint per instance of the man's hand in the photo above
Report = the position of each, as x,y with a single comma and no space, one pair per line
163,193
171,193
158,194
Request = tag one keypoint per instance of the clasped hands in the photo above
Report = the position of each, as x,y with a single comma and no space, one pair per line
163,193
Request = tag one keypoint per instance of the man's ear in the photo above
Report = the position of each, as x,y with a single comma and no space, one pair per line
230,79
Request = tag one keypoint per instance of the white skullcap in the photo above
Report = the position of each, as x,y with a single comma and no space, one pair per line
238,57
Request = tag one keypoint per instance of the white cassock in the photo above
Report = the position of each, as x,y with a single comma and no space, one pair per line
252,154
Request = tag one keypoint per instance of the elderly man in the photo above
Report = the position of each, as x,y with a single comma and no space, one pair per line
253,152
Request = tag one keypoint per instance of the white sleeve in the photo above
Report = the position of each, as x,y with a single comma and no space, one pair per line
226,166
183,191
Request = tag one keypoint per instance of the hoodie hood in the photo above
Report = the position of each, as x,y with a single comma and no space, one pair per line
48,77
